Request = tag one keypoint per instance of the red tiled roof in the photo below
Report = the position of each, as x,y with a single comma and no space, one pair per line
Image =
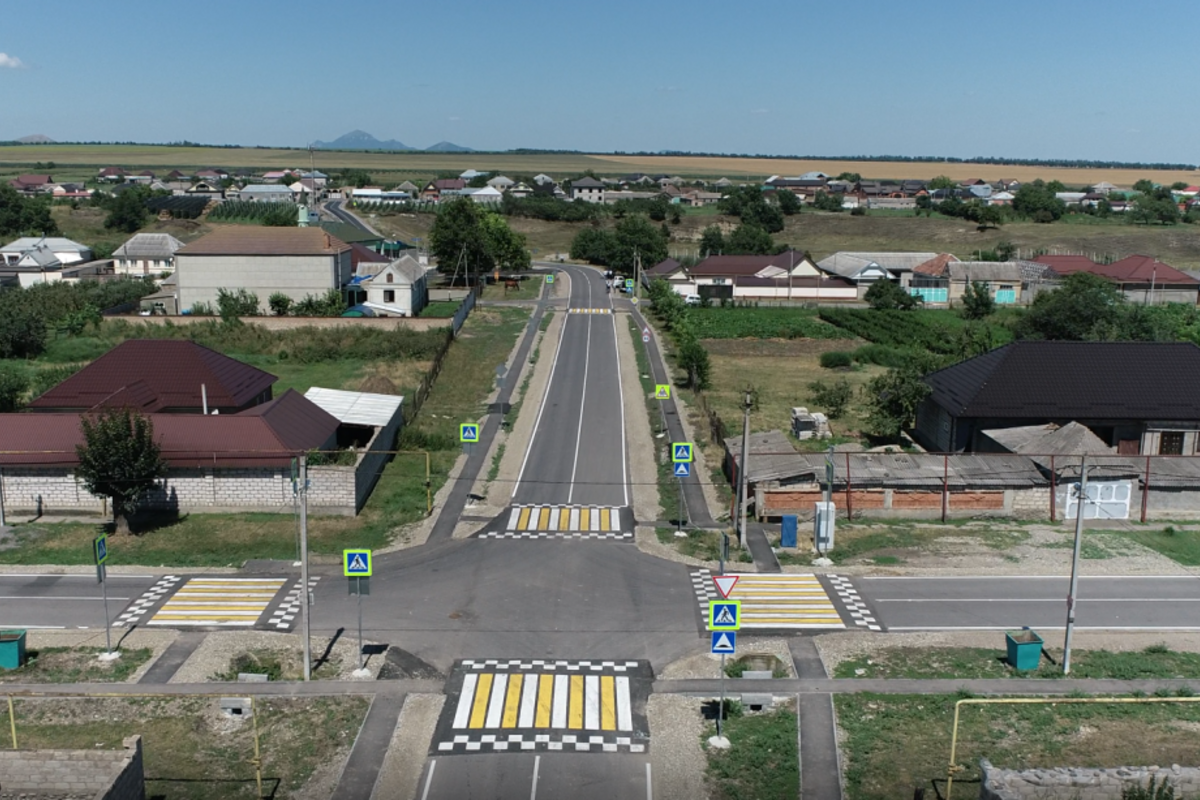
150,375
449,184
267,435
31,180
935,266
258,240
1132,269
360,254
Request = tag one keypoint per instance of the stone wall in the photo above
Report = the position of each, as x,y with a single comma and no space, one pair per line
1033,503
1071,783
105,774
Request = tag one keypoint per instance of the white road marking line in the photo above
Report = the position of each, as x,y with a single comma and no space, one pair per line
650,783
591,702
92,576
558,713
1148,629
496,704
541,408
466,698
37,627
537,763
513,519
574,521
624,709
1019,577
1081,600
40,599
528,701
429,778
587,357
621,405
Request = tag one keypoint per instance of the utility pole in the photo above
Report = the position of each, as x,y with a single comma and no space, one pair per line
744,471
304,611
1075,564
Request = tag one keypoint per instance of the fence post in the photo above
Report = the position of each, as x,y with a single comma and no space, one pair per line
1053,491
1146,490
945,484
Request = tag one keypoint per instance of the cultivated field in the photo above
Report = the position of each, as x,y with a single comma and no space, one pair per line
73,161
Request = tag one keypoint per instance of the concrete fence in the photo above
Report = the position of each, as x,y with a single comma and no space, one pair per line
100,774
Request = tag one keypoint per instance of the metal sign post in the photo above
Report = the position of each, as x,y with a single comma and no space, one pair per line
724,619
100,555
357,567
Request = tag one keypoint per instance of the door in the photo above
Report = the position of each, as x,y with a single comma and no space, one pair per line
1170,443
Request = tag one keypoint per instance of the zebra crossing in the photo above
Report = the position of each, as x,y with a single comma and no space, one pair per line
589,310
776,601
224,602
516,705
561,522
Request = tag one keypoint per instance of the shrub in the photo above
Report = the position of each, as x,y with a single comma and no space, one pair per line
832,397
882,355
13,383
836,359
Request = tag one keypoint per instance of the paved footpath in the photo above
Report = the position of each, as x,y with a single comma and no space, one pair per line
370,748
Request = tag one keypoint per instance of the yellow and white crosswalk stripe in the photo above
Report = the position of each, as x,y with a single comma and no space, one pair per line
785,601
589,310
601,519
497,701
226,602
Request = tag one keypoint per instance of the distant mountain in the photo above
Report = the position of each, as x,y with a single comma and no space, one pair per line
37,138
361,140
448,147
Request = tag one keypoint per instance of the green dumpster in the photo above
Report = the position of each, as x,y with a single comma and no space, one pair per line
12,649
1024,649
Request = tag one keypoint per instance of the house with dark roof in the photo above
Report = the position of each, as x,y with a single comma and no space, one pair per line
589,190
1141,279
160,376
437,190
264,260
1137,397
790,275
32,184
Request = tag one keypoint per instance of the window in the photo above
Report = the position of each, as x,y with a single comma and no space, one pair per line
1170,443
389,277
389,296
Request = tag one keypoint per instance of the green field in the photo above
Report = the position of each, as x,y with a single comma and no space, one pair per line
761,323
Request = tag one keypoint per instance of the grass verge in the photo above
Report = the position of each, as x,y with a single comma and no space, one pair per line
192,751
763,761
1178,545
894,743
458,395
1156,661
892,543
75,665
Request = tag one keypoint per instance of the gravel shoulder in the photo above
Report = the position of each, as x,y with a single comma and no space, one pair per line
220,647
400,774
676,756
703,664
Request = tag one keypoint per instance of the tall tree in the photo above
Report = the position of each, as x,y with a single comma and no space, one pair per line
127,211
24,216
712,241
789,204
977,301
883,295
749,239
119,459
1076,311
891,400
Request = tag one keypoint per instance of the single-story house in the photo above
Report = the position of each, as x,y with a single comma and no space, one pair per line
488,195
944,280
64,250
295,261
863,269
435,191
1141,279
112,174
1139,397
147,254
32,184
501,182
267,193
399,289
791,275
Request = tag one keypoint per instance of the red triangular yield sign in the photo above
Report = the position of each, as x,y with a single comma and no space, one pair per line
725,584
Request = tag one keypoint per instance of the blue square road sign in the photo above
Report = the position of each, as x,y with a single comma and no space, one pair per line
356,563
468,432
681,451
683,469
724,615
724,643
100,549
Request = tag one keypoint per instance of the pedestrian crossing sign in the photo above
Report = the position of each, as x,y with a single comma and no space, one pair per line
468,432
724,643
549,279
683,469
662,391
681,451
100,549
356,563
724,615
629,283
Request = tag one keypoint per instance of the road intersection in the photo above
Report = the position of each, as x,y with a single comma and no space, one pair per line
548,623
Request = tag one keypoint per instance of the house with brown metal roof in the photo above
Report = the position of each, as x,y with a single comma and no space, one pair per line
1141,279
297,262
943,280
160,376
32,184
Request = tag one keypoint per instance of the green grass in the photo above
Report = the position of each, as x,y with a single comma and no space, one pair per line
895,743
761,323
191,751
441,308
75,665
866,542
984,662
763,762
1178,545
207,540
530,288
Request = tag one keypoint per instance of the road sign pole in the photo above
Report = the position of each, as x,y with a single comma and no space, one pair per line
304,613
104,591
724,549
360,644
721,708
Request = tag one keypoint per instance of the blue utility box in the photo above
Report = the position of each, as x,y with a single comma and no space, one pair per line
787,530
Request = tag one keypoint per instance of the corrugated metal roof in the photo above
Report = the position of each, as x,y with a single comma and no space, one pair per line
259,240
917,470
357,408
149,245
772,457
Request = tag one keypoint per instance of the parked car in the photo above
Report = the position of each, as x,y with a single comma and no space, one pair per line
692,299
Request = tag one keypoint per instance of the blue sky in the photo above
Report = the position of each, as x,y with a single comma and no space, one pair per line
1045,79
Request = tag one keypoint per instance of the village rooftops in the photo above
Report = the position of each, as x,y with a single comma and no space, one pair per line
1132,269
257,240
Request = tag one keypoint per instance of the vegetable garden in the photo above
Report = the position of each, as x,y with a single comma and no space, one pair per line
760,323
935,331
276,214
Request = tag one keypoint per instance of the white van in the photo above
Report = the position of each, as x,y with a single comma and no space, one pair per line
692,299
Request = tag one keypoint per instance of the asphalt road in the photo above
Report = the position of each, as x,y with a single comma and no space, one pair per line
577,453
579,776
38,600
1005,602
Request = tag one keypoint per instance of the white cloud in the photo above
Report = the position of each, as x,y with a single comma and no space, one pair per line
11,62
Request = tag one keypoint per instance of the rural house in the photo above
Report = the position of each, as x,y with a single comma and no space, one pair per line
944,280
863,269
790,275
400,289
64,251
1141,279
1139,397
147,254
267,193
589,190
32,184
438,190
295,261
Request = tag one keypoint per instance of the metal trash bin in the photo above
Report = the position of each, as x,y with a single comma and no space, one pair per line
12,649
1024,649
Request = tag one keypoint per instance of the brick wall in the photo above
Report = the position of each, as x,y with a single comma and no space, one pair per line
911,504
106,774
